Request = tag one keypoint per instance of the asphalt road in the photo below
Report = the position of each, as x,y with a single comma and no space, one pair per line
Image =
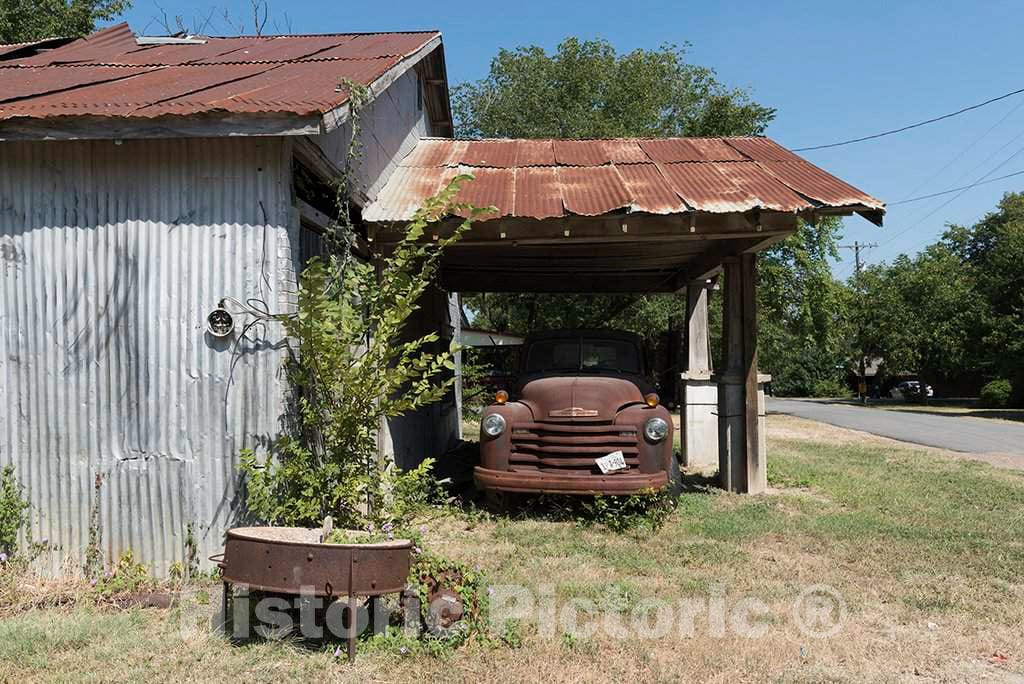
957,433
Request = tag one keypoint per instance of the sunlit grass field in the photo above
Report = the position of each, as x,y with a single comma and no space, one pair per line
926,552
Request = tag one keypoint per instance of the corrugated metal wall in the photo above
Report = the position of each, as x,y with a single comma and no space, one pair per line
111,257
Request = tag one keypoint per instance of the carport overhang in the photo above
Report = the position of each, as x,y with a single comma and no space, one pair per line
620,252
634,216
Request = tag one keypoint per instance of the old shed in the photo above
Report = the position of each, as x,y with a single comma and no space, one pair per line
143,181
147,181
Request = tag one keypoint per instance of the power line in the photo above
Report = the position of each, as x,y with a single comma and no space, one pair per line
967,148
875,136
962,187
952,199
965,174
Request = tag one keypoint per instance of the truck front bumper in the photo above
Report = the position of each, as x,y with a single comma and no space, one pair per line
554,483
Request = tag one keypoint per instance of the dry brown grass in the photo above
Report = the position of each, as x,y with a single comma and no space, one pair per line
925,550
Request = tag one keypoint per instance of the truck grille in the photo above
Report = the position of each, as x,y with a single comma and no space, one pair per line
569,448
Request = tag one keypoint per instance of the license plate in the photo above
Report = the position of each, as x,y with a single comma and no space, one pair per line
612,463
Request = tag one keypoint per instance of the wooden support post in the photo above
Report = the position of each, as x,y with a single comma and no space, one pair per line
741,457
698,394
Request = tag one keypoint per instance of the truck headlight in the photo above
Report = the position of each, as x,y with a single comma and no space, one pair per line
655,430
493,425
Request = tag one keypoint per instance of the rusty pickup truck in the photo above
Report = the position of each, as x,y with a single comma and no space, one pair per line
581,418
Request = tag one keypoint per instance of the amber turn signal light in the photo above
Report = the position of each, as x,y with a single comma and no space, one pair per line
500,397
652,399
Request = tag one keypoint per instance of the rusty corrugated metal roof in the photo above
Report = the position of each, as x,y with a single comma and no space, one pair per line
109,73
555,178
538,193
650,190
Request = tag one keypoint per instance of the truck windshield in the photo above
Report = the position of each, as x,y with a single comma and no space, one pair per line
583,355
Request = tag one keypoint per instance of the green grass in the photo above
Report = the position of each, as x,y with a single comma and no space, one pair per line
907,537
34,641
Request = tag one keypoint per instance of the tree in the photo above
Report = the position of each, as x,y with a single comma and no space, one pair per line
925,314
992,252
352,366
585,89
26,20
956,310
803,312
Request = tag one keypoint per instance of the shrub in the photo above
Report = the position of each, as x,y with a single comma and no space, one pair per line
996,394
126,577
352,370
828,388
13,511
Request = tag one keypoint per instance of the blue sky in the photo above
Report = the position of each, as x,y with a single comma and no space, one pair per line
832,70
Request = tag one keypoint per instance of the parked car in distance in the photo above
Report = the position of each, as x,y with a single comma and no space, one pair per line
910,389
581,418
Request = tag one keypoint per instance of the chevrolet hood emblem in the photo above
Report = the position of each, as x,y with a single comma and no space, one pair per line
572,412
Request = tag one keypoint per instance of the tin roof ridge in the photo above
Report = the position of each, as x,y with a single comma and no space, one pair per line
548,139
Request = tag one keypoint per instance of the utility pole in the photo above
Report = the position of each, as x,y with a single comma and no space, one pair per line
862,385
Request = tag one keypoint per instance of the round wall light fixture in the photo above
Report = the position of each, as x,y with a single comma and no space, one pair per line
220,323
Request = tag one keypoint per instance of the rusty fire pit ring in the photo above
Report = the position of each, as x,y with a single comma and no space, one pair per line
292,560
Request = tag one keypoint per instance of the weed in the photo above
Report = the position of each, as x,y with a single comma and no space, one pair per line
512,635
191,564
13,512
93,552
126,577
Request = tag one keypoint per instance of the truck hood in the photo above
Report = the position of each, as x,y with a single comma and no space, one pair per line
578,399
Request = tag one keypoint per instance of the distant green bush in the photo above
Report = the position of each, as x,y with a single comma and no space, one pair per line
996,394
829,388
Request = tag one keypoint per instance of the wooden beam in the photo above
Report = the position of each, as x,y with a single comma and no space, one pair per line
766,242
312,215
755,471
487,281
614,238
313,157
710,263
731,441
619,227
741,447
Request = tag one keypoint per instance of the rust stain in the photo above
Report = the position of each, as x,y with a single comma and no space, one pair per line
536,153
538,194
494,153
650,190
109,73
624,151
766,188
551,178
489,188
592,191
809,180
436,152
704,188
762,149
580,153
